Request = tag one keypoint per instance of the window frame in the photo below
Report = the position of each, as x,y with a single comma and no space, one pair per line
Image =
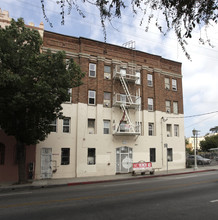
91,98
167,84
106,129
175,107
138,74
2,154
91,128
92,70
91,156
107,75
153,155
54,125
107,101
151,105
150,129
150,80
65,156
168,106
169,154
176,130
174,85
66,125
169,132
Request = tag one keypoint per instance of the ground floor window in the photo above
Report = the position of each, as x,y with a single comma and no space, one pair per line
91,156
170,154
2,154
152,155
65,156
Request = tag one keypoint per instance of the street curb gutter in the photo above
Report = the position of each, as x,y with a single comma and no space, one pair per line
141,177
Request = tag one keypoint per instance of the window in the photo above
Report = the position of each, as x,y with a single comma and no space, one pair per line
150,79
53,125
169,154
106,129
151,129
123,98
92,97
122,72
169,130
70,95
150,104
2,154
66,125
176,130
91,156
175,108
91,126
152,155
174,84
92,70
168,108
138,75
167,83
107,99
124,127
107,72
65,156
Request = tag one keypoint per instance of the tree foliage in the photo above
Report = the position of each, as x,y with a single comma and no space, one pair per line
214,130
182,16
33,85
209,142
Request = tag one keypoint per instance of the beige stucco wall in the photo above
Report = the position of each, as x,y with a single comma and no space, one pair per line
78,140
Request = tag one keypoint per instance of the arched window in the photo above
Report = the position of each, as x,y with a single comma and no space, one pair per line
2,153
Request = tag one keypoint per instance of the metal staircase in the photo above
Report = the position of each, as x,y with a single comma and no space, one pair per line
126,127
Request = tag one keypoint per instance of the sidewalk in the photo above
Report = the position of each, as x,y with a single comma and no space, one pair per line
36,184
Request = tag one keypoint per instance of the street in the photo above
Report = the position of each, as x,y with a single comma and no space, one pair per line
190,196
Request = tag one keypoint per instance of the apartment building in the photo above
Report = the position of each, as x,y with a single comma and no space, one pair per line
129,108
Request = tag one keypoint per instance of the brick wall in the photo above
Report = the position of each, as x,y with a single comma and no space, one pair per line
85,51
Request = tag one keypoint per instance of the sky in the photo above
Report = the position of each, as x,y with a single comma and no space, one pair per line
200,76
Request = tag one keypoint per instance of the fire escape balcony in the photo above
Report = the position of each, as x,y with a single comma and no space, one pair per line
124,129
128,74
129,101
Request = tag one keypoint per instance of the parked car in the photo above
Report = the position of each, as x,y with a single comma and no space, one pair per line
200,160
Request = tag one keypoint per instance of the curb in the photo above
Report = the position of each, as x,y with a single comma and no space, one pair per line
141,177
32,187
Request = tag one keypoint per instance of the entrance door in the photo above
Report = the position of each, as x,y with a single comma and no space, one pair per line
46,163
124,159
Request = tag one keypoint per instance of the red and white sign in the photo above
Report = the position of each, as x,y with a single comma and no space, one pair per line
141,165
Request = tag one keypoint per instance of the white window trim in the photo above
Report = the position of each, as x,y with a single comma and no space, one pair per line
150,80
92,67
174,84
90,97
151,103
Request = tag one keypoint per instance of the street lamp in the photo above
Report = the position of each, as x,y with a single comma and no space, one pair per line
195,143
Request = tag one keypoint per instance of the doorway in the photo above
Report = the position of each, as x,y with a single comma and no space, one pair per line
123,159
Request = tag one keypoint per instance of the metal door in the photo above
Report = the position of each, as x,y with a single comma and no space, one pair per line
124,159
46,163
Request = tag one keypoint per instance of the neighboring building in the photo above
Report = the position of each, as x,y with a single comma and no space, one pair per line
8,159
129,108
193,141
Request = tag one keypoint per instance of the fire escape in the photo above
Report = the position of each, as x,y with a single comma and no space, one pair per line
126,101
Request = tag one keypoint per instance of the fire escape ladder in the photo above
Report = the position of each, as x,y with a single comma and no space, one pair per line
127,117
126,90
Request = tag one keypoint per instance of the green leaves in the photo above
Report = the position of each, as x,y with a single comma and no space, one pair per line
32,85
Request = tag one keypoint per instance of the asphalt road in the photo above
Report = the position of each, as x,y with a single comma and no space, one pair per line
190,196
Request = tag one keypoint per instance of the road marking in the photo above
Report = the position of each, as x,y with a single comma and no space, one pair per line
15,194
118,184
214,200
64,200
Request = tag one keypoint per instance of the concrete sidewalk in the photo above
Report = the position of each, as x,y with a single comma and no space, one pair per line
36,184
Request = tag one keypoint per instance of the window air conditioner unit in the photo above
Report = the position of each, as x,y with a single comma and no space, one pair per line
106,104
168,111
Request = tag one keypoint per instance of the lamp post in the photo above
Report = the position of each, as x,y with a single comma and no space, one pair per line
195,143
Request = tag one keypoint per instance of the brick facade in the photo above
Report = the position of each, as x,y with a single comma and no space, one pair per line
85,51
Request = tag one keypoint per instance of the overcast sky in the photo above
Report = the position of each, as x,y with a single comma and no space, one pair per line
200,76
